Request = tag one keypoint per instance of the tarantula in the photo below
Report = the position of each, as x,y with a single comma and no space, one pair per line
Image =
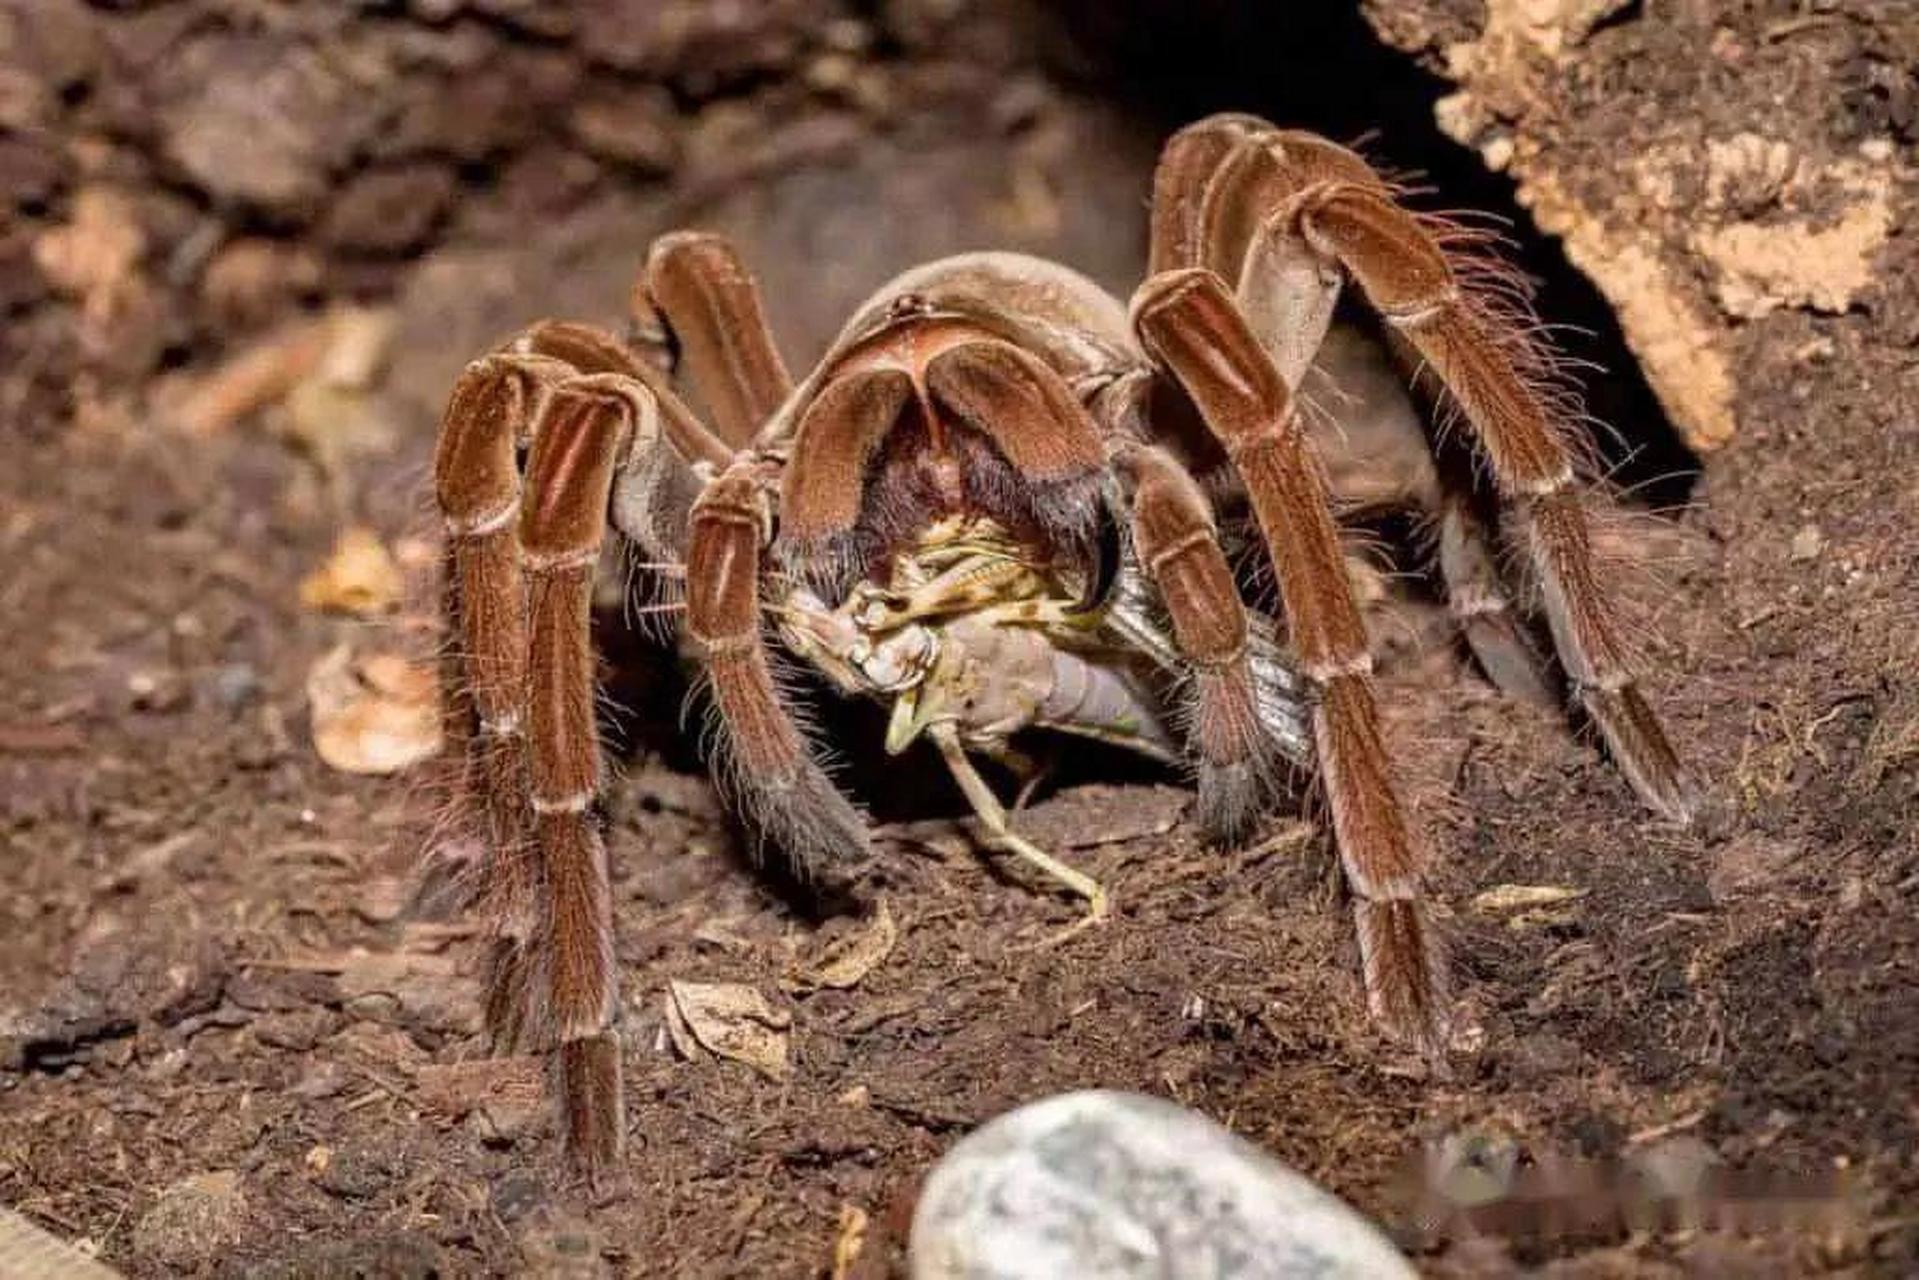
992,506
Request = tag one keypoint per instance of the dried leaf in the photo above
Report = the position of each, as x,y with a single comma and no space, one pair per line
323,367
733,1021
678,1032
719,933
385,972
1519,897
410,989
847,960
94,257
359,578
30,1251
264,374
356,354
332,414
373,714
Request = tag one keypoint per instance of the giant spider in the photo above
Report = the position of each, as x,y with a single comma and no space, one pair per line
992,507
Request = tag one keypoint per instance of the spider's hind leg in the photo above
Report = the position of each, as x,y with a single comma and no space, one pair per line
1481,348
589,426
1285,219
1383,454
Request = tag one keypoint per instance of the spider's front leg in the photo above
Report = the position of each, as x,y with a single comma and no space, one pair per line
1178,545
714,314
521,555
764,758
477,481
588,426
1190,325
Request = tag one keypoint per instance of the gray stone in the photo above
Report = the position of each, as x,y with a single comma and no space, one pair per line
1113,1186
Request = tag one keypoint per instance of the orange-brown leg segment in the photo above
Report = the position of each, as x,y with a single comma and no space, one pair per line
1189,324
1183,185
588,426
763,755
1481,359
1178,545
477,484
1223,197
712,306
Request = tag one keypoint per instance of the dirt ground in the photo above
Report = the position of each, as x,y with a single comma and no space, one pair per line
245,247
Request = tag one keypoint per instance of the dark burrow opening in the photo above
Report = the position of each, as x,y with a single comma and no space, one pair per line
1164,63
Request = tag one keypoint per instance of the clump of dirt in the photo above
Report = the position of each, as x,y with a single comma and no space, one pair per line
245,249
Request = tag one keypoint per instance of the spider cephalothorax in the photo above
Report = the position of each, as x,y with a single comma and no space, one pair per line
981,509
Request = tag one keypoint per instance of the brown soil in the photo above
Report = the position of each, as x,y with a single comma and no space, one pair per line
225,1049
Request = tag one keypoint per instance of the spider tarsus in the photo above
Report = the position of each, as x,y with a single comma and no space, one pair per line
1644,753
819,837
1231,799
592,1103
1236,759
1404,960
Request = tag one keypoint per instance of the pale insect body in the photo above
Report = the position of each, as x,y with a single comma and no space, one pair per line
972,635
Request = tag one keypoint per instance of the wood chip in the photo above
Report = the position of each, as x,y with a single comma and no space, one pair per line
732,1021
29,1253
1094,815
95,256
450,1091
1504,898
325,364
264,374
